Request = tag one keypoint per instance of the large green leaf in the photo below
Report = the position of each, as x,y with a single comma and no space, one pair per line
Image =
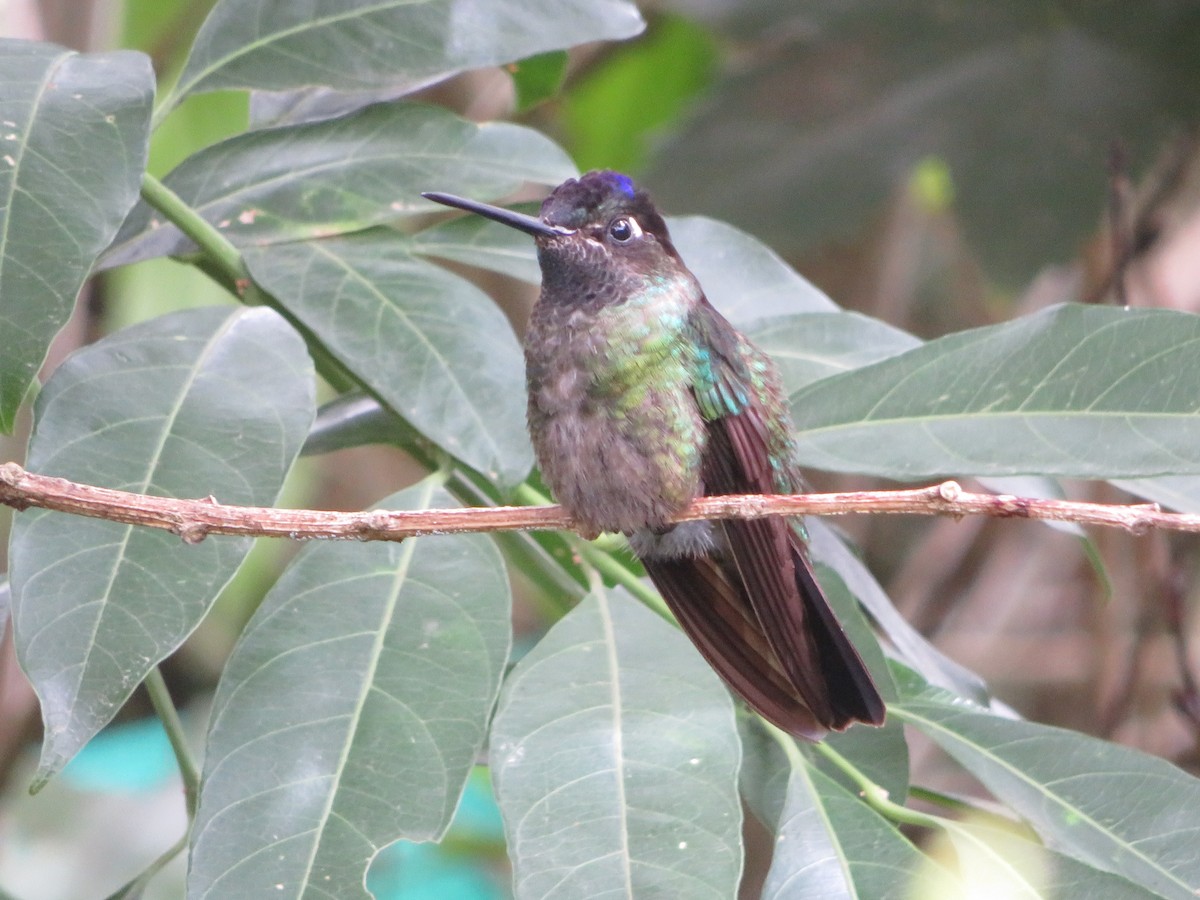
73,143
429,344
743,277
350,712
326,178
1111,807
828,843
364,44
211,401
482,243
1090,392
811,346
615,761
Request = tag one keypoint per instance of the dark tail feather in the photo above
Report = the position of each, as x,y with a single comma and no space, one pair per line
823,685
772,584
714,613
851,690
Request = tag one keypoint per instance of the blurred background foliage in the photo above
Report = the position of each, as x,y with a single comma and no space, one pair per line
938,165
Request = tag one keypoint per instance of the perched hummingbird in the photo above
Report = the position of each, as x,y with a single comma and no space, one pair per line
643,397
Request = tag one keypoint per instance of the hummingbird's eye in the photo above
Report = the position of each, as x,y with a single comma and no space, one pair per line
623,230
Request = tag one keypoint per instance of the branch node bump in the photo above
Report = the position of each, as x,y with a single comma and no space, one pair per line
373,524
1012,506
1141,525
949,491
192,532
11,474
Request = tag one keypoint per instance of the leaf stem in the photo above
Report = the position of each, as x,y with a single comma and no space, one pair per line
137,886
874,794
218,248
226,259
160,697
616,571
605,562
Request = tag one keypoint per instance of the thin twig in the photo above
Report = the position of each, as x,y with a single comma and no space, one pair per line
193,520
164,706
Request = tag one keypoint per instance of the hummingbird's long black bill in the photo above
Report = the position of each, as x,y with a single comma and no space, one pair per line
519,221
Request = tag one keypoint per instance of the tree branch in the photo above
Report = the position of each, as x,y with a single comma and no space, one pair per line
193,520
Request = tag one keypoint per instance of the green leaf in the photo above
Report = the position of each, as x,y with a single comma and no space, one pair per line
612,113
73,143
1080,391
326,178
538,78
615,761
429,344
351,711
1111,807
211,401
354,45
743,277
311,104
812,346
828,843
476,241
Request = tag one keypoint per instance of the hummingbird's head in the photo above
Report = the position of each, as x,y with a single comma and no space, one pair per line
599,229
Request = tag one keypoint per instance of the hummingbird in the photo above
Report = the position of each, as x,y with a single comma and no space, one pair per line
643,397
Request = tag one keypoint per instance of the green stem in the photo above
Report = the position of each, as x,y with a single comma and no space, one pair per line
603,561
137,886
160,697
527,495
876,795
616,571
937,798
218,248
974,811
223,257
